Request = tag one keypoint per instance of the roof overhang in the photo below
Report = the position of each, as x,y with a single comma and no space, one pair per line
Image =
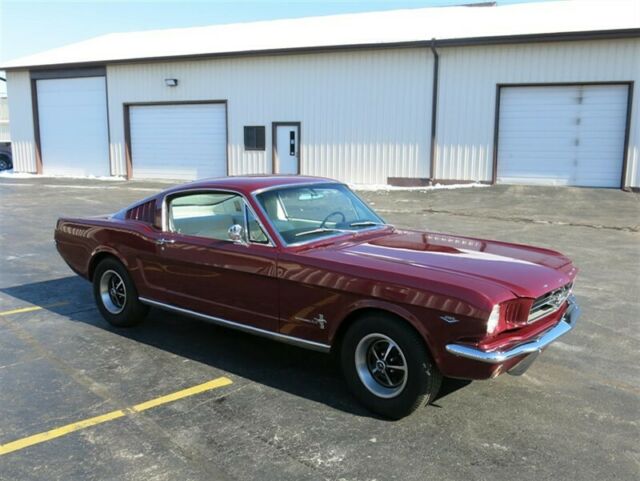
423,27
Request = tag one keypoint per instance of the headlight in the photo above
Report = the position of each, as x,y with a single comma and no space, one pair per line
494,318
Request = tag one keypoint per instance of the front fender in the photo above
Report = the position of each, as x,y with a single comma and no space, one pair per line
416,319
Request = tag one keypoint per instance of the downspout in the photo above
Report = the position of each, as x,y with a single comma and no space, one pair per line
434,111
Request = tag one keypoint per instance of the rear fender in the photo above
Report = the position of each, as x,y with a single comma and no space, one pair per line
100,253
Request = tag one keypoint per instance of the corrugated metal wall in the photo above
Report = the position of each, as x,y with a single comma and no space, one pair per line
5,135
22,136
467,94
365,115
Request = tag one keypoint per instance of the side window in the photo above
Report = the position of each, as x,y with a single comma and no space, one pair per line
205,214
255,232
211,214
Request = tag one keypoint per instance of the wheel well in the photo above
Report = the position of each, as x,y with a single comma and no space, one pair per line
97,259
359,313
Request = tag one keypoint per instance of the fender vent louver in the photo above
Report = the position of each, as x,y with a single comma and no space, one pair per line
143,212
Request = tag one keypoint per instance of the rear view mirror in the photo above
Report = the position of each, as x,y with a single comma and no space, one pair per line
310,194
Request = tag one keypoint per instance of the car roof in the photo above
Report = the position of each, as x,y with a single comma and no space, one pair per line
248,184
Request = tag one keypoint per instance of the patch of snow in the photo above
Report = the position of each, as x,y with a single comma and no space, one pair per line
89,187
10,174
385,187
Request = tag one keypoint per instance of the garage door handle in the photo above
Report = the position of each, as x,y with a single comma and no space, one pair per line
163,241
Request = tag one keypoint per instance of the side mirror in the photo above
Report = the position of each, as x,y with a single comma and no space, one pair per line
236,234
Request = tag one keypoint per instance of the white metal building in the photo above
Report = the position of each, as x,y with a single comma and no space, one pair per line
532,93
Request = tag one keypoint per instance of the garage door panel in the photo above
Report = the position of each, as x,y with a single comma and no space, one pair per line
72,116
564,135
183,142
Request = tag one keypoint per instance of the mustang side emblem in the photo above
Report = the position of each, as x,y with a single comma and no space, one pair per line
449,319
319,321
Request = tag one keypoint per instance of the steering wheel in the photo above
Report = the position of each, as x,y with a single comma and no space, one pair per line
324,222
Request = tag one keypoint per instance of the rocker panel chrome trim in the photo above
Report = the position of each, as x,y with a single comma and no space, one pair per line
295,341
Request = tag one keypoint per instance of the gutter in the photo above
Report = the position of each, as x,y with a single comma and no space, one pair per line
434,110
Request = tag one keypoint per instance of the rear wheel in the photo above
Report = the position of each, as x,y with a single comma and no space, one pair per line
387,366
116,295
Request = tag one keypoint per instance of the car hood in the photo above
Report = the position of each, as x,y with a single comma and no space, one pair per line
526,271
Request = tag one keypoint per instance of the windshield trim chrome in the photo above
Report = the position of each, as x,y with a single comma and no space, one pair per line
296,184
337,234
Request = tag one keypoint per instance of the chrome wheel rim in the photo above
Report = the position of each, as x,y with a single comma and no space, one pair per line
113,292
381,365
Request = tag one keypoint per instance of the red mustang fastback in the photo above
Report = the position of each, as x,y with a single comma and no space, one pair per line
305,261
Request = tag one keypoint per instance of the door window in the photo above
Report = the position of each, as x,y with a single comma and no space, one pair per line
211,214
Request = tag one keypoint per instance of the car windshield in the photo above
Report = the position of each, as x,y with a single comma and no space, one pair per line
301,214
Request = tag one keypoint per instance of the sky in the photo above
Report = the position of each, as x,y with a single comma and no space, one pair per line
28,27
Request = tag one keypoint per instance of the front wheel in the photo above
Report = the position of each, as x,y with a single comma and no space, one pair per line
387,366
5,163
116,295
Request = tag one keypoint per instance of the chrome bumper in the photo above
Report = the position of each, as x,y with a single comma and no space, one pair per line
567,323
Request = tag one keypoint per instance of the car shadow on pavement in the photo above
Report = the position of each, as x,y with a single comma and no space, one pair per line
298,371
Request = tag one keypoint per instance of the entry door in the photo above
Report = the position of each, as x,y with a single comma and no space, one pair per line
287,149
72,116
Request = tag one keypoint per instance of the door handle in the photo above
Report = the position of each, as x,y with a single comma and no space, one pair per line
163,241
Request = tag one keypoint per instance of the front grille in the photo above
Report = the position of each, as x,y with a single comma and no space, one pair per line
549,303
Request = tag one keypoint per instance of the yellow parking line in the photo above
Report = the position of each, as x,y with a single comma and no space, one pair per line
31,309
207,386
86,423
58,432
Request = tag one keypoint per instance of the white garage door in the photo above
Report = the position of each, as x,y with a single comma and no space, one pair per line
562,135
72,116
178,141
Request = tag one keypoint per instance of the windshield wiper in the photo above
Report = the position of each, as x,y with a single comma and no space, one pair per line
319,230
366,223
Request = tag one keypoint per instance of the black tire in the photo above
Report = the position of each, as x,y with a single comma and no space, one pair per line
118,310
422,378
5,163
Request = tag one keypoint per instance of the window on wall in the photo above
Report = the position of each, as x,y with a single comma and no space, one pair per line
254,137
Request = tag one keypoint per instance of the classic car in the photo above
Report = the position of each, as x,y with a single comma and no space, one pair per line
305,261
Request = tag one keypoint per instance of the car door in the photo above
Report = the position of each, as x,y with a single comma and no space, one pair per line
198,267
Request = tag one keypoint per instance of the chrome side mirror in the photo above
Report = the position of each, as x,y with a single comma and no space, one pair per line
236,234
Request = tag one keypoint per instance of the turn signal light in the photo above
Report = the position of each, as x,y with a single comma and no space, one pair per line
509,315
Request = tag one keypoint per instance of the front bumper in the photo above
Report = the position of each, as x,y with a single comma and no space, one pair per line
565,324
